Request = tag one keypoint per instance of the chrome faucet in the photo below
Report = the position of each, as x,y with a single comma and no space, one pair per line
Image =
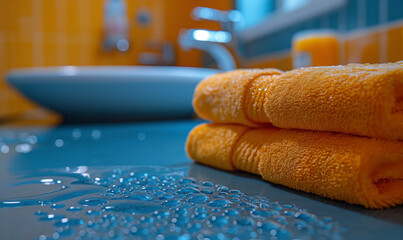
120,44
227,19
215,43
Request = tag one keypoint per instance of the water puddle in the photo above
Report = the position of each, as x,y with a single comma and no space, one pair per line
159,203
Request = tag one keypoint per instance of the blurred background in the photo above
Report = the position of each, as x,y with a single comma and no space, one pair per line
261,33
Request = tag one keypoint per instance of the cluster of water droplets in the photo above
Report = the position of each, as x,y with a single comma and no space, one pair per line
20,143
163,203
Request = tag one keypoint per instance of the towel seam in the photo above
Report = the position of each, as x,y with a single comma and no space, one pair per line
245,93
233,149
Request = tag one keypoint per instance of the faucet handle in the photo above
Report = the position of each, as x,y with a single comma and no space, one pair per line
225,18
165,56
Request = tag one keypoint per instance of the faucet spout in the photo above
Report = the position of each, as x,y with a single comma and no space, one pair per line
215,43
210,42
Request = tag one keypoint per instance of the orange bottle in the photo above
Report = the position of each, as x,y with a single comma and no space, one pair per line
315,48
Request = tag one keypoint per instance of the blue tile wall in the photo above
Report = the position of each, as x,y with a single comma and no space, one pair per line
334,20
395,10
324,21
317,23
275,42
372,12
351,14
281,40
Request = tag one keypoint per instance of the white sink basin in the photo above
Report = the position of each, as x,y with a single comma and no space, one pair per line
107,93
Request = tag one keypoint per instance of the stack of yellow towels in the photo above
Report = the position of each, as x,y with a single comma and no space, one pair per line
334,131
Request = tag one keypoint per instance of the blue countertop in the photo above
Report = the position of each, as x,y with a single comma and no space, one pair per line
31,159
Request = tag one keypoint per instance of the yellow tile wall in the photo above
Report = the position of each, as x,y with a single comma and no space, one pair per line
282,61
395,43
363,48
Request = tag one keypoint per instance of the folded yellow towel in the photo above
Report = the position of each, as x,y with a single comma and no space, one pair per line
357,99
358,170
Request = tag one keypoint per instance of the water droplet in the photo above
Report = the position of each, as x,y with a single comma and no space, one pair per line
74,209
96,134
171,203
208,184
223,189
4,149
56,235
268,225
134,207
187,180
23,148
68,222
199,198
49,181
244,221
262,213
166,196
234,196
76,134
219,221
304,216
141,136
40,213
20,203
93,201
51,217
42,237
57,205
188,190
207,191
93,212
31,139
219,203
66,232
59,143
231,212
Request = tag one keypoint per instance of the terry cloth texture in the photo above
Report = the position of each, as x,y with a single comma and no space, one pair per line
359,99
358,170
